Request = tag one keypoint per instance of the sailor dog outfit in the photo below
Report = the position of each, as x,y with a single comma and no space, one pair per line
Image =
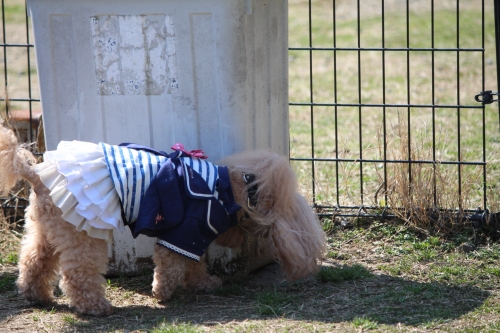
180,198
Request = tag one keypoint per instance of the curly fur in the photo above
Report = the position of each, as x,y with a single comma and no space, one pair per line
297,239
53,247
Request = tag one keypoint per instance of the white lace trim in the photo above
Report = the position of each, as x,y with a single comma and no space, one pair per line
178,250
78,178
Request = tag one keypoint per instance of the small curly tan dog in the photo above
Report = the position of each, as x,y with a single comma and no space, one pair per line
52,248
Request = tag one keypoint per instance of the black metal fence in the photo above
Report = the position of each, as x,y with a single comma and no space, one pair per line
20,81
384,96
445,56
20,84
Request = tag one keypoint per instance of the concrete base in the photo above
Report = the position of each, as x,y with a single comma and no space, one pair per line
253,254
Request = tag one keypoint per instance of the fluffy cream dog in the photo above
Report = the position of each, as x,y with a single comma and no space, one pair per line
54,249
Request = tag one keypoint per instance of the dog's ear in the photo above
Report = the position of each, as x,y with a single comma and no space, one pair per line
296,235
232,238
280,213
298,240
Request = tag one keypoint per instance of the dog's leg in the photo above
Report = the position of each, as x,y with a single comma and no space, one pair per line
170,269
83,260
198,278
38,262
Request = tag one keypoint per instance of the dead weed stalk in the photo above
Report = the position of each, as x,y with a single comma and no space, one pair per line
421,190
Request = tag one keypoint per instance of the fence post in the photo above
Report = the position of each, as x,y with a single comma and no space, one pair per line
497,44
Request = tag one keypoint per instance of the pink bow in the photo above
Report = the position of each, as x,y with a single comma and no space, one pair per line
195,153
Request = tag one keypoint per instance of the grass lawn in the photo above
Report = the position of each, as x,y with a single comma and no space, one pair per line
353,133
388,276
382,277
15,74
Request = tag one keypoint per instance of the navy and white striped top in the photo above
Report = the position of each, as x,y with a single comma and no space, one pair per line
131,171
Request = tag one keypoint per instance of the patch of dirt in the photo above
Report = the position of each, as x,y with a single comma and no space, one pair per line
135,306
264,301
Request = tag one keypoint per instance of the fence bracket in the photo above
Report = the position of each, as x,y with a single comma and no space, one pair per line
486,97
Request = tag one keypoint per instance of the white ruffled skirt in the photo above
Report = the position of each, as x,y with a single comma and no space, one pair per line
79,182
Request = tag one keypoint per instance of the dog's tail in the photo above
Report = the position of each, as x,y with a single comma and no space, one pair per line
15,162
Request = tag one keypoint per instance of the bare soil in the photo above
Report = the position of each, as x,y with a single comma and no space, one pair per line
265,302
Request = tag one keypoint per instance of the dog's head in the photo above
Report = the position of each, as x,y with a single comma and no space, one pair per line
265,186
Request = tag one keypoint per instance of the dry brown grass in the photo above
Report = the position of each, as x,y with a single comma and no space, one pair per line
11,234
426,194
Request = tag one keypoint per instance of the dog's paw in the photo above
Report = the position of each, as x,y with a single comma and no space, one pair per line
39,297
162,294
99,309
210,283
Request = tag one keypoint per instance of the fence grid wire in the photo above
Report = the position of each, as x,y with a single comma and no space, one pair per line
337,203
28,92
313,103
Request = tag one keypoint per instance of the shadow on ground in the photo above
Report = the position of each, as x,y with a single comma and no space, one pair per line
265,295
